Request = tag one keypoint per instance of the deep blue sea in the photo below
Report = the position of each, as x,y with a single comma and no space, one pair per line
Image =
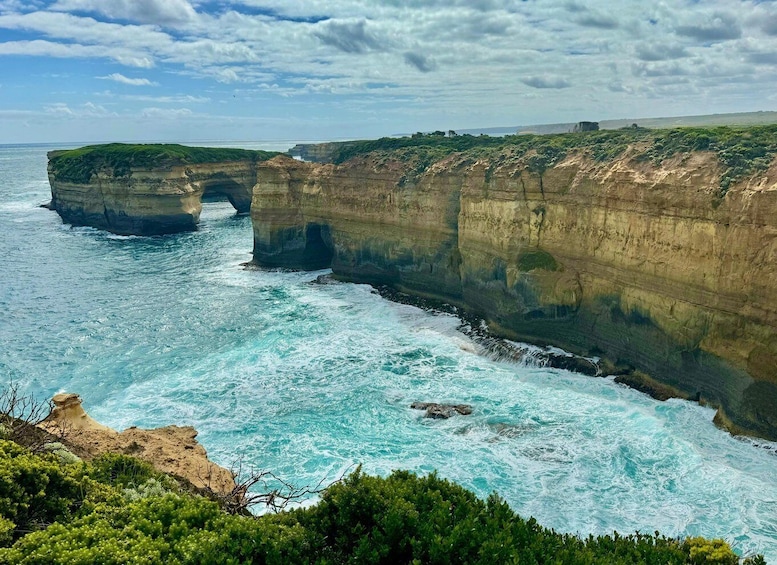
309,380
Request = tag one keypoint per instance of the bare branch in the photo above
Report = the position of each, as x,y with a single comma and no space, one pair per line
264,488
20,416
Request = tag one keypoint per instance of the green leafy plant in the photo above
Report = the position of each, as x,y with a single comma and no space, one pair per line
35,491
116,511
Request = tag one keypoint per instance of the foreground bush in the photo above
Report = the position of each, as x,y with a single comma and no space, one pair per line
35,490
118,510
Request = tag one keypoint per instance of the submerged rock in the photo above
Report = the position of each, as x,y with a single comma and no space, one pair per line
442,411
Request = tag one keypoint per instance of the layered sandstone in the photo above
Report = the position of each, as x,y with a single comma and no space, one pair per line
150,200
642,265
171,449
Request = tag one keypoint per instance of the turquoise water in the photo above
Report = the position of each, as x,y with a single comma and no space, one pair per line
308,380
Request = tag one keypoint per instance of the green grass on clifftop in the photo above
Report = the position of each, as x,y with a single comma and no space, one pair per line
78,165
741,151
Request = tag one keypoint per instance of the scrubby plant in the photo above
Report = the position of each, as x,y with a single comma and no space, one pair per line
20,416
703,551
35,491
63,453
116,511
121,470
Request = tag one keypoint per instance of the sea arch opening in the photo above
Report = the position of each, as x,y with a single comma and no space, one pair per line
238,194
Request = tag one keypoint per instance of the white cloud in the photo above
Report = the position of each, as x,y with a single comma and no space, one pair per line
118,77
44,48
165,113
176,99
86,110
59,108
163,12
455,61
716,26
546,82
134,61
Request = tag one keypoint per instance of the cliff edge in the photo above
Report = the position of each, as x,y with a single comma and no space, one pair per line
661,262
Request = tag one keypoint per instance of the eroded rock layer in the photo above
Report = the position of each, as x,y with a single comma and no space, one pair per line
153,200
643,265
171,449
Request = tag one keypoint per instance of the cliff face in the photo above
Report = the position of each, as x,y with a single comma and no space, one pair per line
150,201
642,265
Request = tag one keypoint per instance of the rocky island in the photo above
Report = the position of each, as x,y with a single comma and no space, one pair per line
653,251
148,189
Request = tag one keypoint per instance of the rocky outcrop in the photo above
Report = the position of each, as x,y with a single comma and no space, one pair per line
437,411
171,449
150,200
643,266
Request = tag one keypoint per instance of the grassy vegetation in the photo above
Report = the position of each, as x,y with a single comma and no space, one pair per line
531,260
118,510
78,165
741,151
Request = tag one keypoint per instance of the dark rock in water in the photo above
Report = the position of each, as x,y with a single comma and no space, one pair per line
657,390
325,279
442,411
573,363
510,431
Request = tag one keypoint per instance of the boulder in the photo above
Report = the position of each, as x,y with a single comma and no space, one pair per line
442,411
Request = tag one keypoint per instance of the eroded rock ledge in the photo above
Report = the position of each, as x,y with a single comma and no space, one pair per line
171,449
642,265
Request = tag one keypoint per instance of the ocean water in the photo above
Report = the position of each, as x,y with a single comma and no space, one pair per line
309,380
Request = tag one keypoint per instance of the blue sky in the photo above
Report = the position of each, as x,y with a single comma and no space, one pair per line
265,70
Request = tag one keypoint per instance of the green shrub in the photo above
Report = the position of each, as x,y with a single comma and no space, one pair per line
537,259
121,470
167,529
407,519
403,518
35,490
703,551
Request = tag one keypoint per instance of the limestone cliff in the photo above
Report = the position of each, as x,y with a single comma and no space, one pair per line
147,189
643,265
